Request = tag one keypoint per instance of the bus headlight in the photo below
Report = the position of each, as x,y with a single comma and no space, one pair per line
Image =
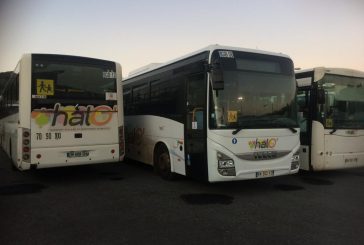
225,165
295,160
228,163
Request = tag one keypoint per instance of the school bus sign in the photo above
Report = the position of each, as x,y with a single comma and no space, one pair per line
45,87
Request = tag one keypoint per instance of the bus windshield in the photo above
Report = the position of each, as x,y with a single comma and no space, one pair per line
344,103
258,92
71,80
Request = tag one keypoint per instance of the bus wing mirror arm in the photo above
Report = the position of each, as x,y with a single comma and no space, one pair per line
217,79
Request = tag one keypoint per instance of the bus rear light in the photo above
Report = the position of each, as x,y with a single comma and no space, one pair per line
112,151
26,145
39,156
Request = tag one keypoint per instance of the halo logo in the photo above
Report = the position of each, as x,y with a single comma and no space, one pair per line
68,115
263,143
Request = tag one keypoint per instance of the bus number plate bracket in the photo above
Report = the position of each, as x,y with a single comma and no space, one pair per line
72,154
263,174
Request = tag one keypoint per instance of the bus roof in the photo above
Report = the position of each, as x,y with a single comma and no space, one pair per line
77,57
319,72
154,66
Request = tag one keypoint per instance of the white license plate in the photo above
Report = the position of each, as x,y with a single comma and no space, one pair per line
263,174
72,154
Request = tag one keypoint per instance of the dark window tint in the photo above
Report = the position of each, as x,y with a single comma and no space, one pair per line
57,78
167,98
9,100
245,61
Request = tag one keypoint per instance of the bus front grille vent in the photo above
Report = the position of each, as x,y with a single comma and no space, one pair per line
262,155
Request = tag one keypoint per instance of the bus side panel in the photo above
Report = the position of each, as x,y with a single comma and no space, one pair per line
25,91
119,91
10,135
25,75
317,146
144,132
13,134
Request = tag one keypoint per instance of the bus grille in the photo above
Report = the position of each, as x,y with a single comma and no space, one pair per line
262,155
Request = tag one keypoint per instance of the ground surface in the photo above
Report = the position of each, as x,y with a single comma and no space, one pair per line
127,203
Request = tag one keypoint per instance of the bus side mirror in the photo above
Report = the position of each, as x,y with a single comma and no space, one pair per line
217,79
321,96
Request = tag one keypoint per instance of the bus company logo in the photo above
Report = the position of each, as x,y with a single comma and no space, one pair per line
70,116
268,143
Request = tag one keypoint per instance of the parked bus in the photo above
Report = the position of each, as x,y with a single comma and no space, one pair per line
331,108
218,114
59,110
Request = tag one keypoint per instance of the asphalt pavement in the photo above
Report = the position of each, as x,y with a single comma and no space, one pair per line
126,203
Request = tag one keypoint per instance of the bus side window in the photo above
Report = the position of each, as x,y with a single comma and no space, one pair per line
127,100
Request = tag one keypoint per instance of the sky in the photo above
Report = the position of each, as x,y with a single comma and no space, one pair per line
139,32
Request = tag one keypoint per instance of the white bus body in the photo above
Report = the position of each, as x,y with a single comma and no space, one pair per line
59,110
331,107
180,118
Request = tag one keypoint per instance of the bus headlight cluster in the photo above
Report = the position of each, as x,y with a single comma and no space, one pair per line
228,163
225,165
295,164
26,145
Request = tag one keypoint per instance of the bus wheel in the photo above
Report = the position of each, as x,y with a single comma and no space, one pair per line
162,163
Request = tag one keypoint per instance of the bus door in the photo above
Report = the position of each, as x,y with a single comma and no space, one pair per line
195,127
305,120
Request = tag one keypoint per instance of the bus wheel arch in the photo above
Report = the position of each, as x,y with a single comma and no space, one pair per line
162,161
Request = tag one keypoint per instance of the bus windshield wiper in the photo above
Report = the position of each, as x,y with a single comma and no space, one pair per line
333,131
293,130
277,123
237,130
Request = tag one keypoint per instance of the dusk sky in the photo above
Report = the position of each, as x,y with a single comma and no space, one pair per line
135,33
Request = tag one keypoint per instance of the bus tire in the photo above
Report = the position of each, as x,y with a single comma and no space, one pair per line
162,162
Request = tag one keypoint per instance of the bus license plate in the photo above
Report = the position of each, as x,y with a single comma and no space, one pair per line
263,174
72,154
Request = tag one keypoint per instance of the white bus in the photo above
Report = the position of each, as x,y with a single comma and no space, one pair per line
331,108
58,110
218,114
